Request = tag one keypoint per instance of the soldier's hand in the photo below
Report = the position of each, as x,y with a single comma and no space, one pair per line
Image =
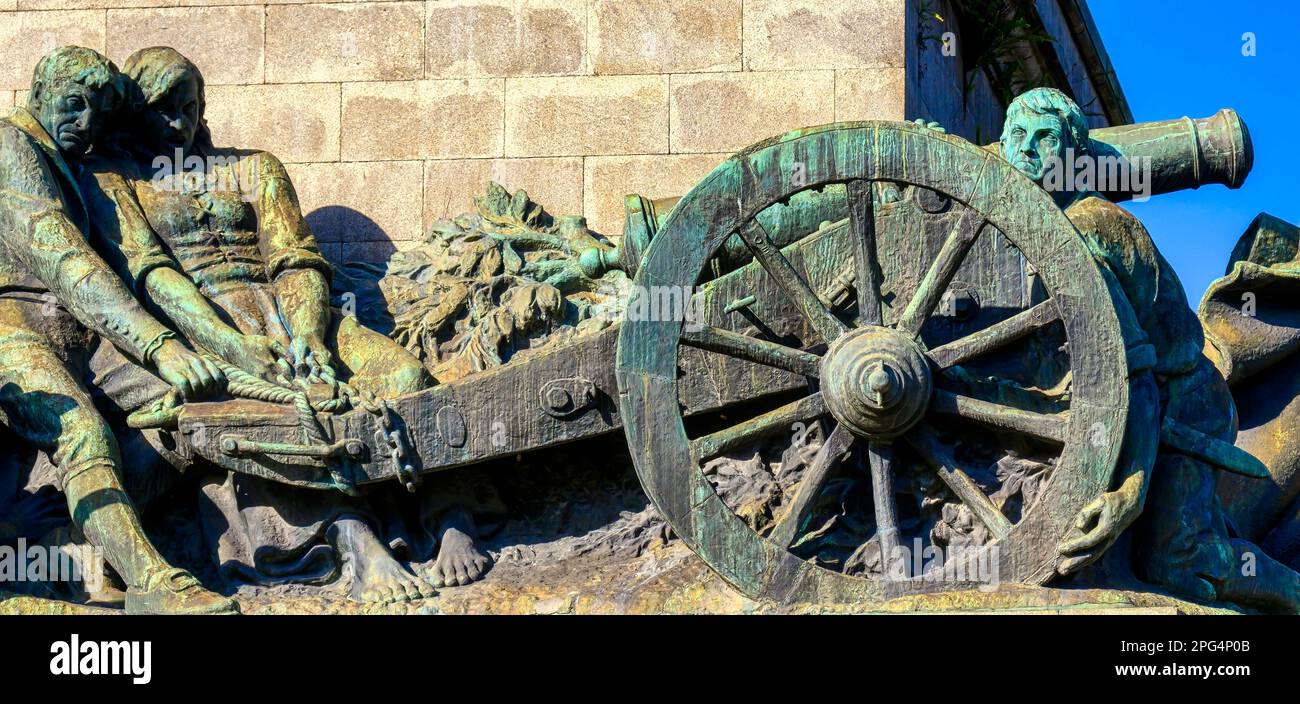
194,376
930,125
1097,527
312,360
262,356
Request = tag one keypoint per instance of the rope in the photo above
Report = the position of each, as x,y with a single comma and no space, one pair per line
241,384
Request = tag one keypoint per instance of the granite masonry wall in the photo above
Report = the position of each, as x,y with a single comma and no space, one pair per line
392,114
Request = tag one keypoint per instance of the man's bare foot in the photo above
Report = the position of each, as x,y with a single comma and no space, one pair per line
459,560
376,576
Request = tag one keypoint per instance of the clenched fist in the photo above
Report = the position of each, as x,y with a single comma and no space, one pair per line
194,376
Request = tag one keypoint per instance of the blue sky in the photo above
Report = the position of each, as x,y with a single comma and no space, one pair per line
1185,58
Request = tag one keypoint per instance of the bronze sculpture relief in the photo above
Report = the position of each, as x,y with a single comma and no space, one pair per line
227,258
45,363
978,360
1183,542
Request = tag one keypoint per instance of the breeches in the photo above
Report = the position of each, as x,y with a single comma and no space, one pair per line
1184,523
47,363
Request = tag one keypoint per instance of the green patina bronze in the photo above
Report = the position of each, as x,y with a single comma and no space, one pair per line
45,362
1180,415
986,194
992,365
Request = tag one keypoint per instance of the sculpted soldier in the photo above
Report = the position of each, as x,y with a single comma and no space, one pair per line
1253,335
1182,541
243,277
45,347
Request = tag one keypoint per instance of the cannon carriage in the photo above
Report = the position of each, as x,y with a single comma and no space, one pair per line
930,308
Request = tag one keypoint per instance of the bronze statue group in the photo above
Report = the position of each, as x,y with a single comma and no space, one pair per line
120,290
121,287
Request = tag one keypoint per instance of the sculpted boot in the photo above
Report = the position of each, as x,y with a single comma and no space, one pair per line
101,507
171,590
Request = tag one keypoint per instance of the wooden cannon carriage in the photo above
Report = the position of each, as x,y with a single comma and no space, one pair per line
944,315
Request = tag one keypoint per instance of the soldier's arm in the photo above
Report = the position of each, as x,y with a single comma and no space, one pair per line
51,248
300,274
286,241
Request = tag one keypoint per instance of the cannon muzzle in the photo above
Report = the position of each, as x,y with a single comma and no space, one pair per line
1187,153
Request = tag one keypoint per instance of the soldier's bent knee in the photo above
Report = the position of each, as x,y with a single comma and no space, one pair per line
84,439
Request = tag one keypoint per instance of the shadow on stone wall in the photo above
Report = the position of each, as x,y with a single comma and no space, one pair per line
346,235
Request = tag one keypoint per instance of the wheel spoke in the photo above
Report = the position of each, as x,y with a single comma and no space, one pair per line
827,459
1046,426
770,423
994,336
933,451
963,234
881,456
783,272
862,216
752,349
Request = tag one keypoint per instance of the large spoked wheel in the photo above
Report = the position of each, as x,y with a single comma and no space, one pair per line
873,381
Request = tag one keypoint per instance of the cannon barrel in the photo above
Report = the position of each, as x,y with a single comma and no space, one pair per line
1187,153
1183,153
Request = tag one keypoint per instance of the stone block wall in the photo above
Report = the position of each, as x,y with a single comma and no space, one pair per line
393,114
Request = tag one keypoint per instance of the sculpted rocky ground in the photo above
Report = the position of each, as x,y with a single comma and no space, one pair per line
586,541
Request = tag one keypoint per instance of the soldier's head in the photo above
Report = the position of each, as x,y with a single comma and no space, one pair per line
170,99
1041,124
74,92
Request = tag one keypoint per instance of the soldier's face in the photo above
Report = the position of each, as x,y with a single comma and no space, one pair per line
1032,141
74,115
173,117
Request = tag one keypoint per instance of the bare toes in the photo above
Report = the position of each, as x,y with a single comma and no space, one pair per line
418,588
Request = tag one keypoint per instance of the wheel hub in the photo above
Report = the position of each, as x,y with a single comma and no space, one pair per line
876,381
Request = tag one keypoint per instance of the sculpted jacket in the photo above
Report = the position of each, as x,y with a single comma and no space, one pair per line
246,230
233,228
43,248
1120,245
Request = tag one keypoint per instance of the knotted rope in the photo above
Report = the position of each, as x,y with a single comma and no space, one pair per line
241,384
165,414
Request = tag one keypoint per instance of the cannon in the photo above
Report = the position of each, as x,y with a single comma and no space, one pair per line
927,305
